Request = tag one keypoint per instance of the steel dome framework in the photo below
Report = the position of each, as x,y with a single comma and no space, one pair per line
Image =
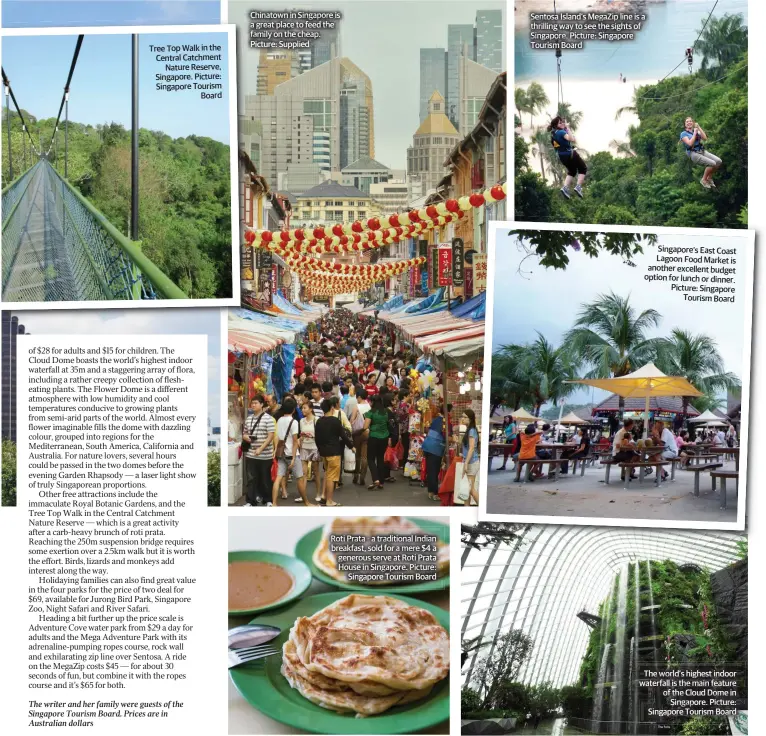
540,582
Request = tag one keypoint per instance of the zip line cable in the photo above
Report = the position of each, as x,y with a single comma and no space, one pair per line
7,83
65,95
694,89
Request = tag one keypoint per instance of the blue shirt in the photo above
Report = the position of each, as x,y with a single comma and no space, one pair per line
564,146
474,456
697,147
343,400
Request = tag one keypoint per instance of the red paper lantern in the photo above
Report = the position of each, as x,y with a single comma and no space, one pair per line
249,236
476,200
497,193
266,236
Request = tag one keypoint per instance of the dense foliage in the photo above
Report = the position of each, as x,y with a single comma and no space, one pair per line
648,179
184,193
214,478
9,473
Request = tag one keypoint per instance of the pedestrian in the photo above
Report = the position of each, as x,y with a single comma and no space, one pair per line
308,448
258,433
470,452
376,421
434,446
288,452
330,438
509,435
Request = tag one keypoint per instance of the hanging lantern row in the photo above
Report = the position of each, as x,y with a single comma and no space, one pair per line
422,215
302,263
348,243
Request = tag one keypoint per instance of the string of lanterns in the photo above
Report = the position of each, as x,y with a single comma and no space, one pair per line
375,232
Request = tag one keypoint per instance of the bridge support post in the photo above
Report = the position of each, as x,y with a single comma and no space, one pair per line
134,143
24,144
8,127
66,135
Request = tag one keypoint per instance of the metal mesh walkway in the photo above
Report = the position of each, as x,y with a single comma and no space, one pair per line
56,246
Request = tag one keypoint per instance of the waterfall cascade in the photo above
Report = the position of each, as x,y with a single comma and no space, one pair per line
631,679
618,689
598,697
635,644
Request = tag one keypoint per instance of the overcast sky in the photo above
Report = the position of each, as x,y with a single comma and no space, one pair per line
548,300
383,38
190,321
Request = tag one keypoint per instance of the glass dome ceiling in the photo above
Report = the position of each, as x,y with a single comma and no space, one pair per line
540,582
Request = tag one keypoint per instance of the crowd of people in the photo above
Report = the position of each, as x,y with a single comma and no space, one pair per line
627,443
349,406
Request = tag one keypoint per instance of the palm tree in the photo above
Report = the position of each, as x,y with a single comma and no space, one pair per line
622,148
573,117
537,100
521,101
632,108
544,370
510,387
542,140
610,336
722,42
695,357
708,402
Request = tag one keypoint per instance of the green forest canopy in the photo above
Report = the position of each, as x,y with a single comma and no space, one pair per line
184,193
651,181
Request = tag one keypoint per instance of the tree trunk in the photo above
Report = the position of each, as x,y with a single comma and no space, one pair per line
542,161
621,407
684,409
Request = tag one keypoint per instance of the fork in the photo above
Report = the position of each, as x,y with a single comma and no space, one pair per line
250,654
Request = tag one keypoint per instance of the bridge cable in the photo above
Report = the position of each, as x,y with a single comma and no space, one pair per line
65,100
24,127
694,45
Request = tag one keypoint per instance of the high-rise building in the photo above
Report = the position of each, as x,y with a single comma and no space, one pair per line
433,77
489,39
329,106
460,42
431,144
474,82
275,67
331,202
326,47
364,172
11,328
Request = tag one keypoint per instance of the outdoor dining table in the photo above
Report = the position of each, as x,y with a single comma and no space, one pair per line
733,451
556,448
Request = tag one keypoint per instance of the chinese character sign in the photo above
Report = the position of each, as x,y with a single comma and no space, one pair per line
445,264
457,261
468,282
480,272
414,278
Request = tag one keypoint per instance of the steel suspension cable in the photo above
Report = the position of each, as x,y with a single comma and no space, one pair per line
65,95
7,84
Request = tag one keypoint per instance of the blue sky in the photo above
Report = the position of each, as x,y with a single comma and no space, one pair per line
59,13
191,321
100,91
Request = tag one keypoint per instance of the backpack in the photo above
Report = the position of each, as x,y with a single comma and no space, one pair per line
281,444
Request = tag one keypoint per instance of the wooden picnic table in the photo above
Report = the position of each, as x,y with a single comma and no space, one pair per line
723,476
556,448
733,451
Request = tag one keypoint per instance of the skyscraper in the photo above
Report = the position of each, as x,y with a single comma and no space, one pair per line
489,39
325,111
460,41
433,77
326,47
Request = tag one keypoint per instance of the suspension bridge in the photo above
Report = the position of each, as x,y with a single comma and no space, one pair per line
56,246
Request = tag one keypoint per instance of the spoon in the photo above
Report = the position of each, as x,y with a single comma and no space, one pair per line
251,635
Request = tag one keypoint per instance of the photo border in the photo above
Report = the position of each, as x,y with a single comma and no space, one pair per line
749,238
230,31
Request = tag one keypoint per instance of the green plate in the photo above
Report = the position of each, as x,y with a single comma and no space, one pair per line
304,551
263,686
299,570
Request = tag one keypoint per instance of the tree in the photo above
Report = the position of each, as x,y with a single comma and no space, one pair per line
502,664
9,474
469,646
521,101
214,478
469,701
546,369
553,246
610,336
489,533
512,696
542,141
722,42
532,198
696,357
537,100
573,117
543,700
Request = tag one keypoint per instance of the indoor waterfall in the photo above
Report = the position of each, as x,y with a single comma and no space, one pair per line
618,690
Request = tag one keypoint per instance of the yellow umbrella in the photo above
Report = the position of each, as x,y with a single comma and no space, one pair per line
644,383
523,415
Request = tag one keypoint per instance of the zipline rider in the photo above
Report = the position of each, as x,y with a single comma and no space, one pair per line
562,140
693,138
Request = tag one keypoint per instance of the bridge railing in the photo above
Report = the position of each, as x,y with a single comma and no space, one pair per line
15,209
115,265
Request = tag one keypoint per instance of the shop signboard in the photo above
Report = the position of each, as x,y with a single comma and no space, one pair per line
445,264
468,287
457,261
414,279
247,263
434,265
480,272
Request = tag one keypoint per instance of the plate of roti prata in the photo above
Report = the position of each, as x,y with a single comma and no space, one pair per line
353,664
314,549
